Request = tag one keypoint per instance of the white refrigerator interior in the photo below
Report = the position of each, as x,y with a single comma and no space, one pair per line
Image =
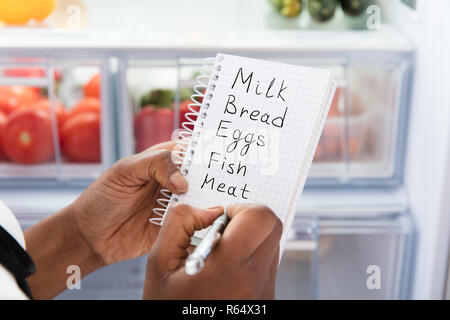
373,222
427,170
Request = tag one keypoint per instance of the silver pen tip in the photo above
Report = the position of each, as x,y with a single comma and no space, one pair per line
193,264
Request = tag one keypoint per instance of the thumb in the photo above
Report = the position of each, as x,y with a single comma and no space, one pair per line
174,238
152,164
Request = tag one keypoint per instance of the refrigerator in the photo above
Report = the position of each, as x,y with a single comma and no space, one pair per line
373,219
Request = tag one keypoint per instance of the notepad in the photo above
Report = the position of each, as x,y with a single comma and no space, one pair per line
252,133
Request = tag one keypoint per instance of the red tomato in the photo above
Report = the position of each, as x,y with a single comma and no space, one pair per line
8,102
80,138
334,110
164,120
144,128
11,97
28,137
86,105
44,104
25,95
58,75
152,126
184,109
92,88
331,147
2,125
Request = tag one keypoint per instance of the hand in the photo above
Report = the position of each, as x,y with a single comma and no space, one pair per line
112,213
242,266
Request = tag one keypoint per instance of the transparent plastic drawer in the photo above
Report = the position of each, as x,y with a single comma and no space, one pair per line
57,119
120,281
325,257
151,93
364,134
123,280
363,138
348,258
297,272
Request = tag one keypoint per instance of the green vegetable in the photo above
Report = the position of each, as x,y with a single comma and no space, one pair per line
186,93
287,8
196,74
322,10
162,98
354,7
277,4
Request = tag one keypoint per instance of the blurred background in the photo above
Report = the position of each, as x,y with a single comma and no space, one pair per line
84,83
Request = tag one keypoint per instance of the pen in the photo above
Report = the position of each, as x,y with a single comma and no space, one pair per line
196,260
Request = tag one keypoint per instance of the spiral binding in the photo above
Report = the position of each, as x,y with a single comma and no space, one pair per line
207,72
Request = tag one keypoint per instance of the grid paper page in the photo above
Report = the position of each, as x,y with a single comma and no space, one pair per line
256,134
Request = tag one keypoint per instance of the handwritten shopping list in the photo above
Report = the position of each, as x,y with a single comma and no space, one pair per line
256,134
241,139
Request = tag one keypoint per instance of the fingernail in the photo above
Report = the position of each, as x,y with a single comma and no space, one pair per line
215,209
178,181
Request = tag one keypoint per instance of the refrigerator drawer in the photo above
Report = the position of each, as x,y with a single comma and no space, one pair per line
124,281
348,258
364,135
325,258
57,118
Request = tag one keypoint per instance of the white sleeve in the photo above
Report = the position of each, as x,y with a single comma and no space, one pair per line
8,285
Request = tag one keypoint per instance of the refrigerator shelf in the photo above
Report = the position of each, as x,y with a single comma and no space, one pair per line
123,41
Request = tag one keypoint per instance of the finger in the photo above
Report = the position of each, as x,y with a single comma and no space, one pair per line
167,145
176,179
174,238
249,227
270,246
268,292
261,262
152,164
